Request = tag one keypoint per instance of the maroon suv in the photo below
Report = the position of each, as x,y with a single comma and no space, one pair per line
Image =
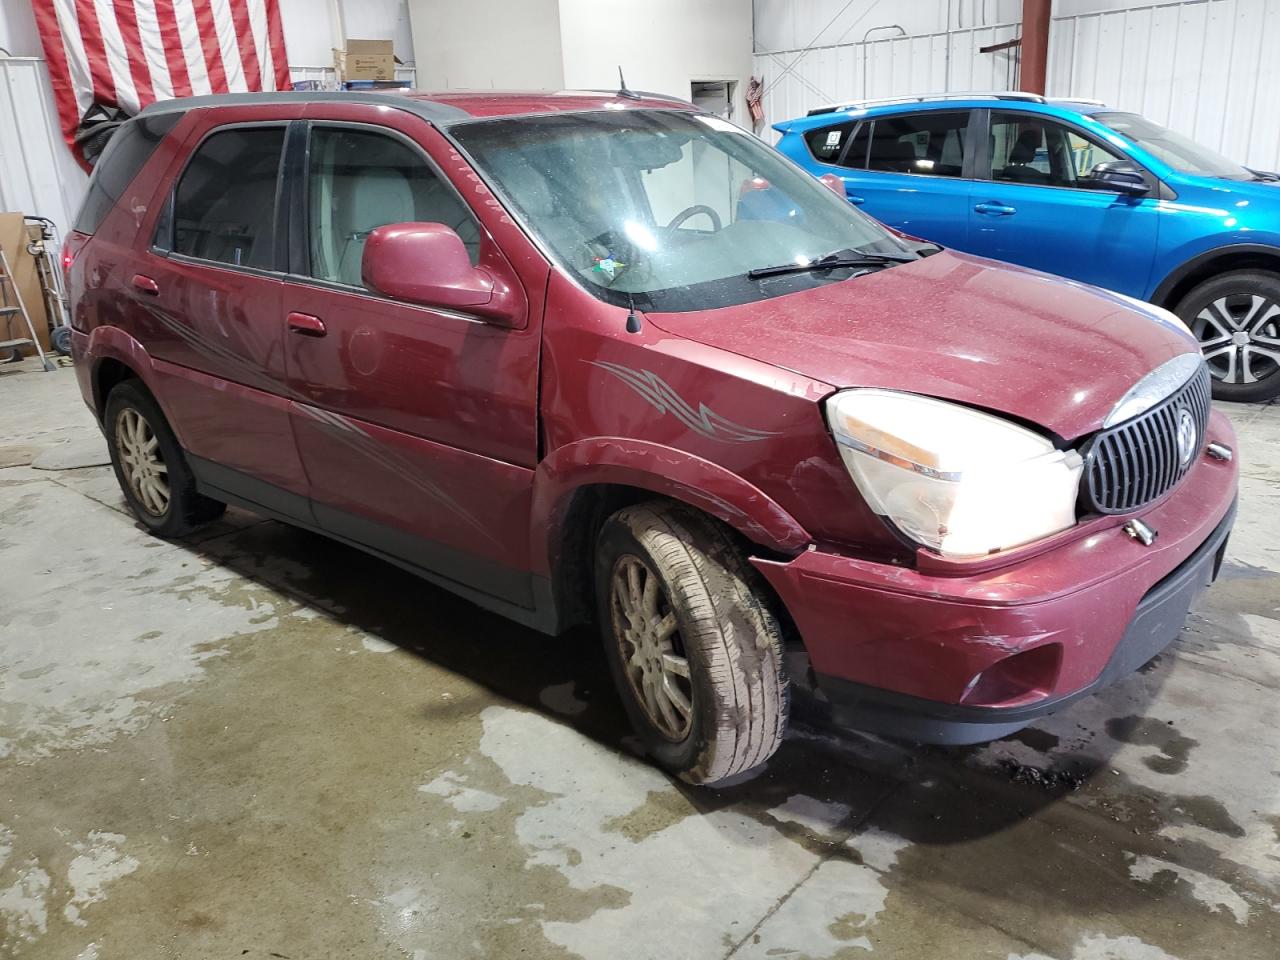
587,357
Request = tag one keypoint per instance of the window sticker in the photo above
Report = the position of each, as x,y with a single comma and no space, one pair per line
608,265
833,138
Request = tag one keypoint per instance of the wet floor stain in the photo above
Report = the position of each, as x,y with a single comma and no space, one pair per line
1174,748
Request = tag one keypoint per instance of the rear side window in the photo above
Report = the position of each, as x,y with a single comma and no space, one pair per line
129,148
225,205
922,143
856,156
826,143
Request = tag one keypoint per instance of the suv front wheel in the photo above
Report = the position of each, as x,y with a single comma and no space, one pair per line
1236,318
694,649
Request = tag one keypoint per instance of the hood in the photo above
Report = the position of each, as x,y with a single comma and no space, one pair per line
1036,347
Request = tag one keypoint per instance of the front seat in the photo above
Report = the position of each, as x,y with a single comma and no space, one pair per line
378,196
1021,156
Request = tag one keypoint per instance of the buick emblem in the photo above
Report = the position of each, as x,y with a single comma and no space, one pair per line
1186,437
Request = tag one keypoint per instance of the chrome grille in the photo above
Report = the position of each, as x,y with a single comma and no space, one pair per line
1138,461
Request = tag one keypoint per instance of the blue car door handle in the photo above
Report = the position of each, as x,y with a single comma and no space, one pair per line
856,201
995,209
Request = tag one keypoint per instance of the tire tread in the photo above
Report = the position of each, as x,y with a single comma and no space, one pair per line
724,609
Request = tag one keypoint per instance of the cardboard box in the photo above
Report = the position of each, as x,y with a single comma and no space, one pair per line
365,60
15,234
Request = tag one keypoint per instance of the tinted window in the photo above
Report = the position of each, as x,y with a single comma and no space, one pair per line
1027,149
856,155
825,143
925,143
225,205
128,149
360,180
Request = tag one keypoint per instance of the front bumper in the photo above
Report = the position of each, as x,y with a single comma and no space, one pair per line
941,658
1156,623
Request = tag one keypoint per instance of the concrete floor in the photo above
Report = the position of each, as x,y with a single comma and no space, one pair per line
258,743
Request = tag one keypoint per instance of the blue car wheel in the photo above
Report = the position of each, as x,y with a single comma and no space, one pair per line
1236,318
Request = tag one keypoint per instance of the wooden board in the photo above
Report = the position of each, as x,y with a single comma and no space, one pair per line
14,239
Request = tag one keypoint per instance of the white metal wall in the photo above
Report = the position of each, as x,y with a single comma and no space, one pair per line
798,80
37,173
1206,68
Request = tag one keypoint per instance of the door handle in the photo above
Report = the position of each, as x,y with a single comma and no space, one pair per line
145,284
304,324
856,201
995,208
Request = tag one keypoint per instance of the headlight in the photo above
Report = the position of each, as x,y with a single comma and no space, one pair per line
958,481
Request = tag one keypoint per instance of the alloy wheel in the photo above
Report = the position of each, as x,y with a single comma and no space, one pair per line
653,655
143,467
1240,337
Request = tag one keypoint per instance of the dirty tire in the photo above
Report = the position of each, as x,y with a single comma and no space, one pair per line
729,636
1249,298
187,510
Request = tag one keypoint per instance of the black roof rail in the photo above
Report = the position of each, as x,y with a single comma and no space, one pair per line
430,110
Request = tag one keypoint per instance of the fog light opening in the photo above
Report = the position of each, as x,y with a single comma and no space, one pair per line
1017,680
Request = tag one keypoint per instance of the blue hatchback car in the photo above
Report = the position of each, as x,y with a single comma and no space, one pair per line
1078,189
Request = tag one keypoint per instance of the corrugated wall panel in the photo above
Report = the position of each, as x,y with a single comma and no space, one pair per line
1202,67
37,173
796,81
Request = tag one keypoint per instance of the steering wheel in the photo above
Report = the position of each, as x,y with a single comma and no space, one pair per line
693,211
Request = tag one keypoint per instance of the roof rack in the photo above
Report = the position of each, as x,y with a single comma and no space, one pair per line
923,97
431,110
967,95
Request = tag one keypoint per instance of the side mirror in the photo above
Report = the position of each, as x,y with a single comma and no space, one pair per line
428,264
834,184
1119,176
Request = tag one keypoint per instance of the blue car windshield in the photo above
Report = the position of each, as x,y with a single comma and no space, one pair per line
1179,152
670,209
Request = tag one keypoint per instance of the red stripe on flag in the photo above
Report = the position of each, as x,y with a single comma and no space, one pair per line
173,55
279,58
139,69
208,30
55,55
244,40
95,54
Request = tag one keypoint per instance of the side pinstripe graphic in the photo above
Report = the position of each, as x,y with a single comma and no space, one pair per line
336,426
704,421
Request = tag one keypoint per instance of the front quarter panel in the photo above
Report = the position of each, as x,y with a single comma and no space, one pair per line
740,439
1210,218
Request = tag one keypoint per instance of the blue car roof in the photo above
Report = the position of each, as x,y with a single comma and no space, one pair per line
825,116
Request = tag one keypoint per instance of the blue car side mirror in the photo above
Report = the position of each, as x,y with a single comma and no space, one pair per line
1119,176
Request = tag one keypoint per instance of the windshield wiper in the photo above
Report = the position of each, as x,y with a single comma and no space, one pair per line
832,261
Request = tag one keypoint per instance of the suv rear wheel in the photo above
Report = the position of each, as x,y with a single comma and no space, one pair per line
694,649
1236,318
150,467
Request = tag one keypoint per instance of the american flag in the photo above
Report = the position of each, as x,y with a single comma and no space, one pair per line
128,53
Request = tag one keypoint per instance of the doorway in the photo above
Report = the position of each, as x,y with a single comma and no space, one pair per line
713,96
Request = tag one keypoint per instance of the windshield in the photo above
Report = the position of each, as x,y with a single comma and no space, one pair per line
669,209
1179,152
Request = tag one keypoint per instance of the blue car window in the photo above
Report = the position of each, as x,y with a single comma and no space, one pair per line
922,143
855,157
827,143
1035,150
